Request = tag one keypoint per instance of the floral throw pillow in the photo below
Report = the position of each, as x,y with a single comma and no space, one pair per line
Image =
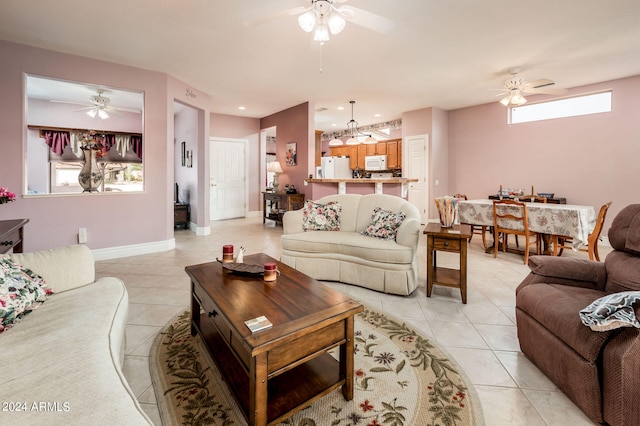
21,291
384,224
321,217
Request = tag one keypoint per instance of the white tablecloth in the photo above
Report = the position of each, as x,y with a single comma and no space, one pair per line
554,219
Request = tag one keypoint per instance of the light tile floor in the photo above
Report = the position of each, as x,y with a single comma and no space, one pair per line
480,336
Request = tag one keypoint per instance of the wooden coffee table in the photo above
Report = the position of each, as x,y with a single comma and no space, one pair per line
278,371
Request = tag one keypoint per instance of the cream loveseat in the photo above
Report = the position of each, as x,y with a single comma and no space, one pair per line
350,257
61,365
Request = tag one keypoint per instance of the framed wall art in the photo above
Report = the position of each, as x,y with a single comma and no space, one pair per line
292,154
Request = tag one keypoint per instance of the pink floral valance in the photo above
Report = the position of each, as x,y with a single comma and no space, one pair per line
56,140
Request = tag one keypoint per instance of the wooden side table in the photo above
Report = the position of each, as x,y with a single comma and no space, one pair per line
12,235
181,215
280,202
453,240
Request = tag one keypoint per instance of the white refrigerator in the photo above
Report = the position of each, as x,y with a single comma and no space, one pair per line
336,168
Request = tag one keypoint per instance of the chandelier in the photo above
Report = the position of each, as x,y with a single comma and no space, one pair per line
353,132
323,18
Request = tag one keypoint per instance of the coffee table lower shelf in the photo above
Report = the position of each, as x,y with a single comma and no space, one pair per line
288,392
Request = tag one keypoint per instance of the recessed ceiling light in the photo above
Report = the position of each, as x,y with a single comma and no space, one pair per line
340,108
377,115
242,108
333,125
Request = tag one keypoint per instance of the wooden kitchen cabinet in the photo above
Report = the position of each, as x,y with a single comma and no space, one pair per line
392,154
362,152
356,153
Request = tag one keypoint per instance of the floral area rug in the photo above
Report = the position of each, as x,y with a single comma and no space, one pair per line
401,379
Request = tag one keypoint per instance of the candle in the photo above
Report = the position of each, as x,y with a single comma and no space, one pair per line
227,253
270,271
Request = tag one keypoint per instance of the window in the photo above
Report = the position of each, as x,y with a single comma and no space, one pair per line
63,116
593,103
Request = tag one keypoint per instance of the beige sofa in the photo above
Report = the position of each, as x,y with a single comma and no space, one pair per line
349,257
61,365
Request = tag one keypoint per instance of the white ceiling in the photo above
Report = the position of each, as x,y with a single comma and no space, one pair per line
442,53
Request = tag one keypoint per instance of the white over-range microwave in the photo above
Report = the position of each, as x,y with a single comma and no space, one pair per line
375,162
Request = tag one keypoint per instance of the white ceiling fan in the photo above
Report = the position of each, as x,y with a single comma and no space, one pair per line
99,106
323,18
514,88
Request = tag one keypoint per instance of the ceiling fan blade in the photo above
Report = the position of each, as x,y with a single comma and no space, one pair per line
85,108
287,12
112,110
366,19
542,86
544,91
543,82
132,110
69,102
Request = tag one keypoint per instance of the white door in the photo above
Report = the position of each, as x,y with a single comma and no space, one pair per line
416,161
227,186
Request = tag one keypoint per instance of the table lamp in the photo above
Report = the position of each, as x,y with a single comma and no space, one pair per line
275,168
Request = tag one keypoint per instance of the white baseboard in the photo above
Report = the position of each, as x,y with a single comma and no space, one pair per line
200,231
134,250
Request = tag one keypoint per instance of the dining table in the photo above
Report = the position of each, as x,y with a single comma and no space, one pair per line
569,220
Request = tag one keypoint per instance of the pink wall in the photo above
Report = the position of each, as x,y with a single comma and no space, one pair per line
178,91
112,220
589,160
292,125
433,122
186,130
229,126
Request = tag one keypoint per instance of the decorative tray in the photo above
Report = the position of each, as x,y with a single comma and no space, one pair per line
243,268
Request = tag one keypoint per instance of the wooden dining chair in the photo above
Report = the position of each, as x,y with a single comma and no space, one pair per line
563,242
475,229
531,199
510,218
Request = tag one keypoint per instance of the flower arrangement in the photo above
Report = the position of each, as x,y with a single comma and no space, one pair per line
92,140
6,196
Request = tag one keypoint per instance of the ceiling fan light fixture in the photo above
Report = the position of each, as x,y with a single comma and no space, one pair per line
518,99
103,114
92,112
307,21
336,23
321,32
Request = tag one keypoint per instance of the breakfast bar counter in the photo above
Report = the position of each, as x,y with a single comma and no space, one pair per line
392,186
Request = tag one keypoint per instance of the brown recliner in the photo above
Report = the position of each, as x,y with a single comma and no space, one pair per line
598,370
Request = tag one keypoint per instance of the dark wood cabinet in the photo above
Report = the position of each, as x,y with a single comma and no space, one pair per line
12,235
181,215
275,204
